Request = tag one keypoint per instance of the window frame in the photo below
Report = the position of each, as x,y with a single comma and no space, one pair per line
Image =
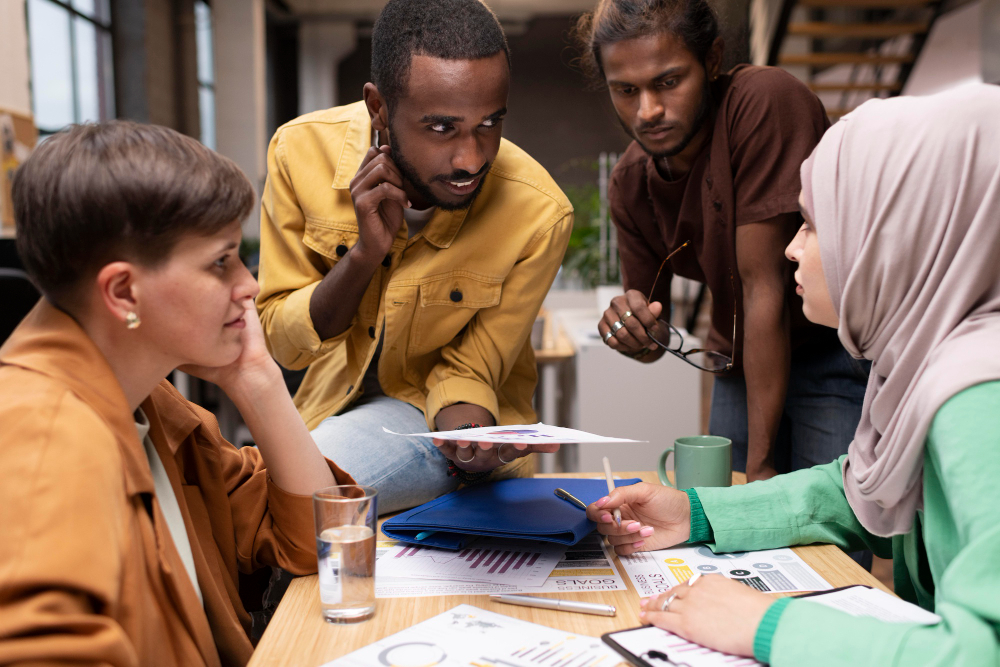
103,28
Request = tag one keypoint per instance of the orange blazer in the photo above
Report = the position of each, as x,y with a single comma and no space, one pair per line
88,571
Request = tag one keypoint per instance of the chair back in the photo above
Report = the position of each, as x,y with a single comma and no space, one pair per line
18,295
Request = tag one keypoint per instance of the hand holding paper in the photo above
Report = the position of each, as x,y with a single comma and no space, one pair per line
533,434
466,446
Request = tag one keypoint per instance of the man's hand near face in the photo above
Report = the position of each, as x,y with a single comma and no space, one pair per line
379,199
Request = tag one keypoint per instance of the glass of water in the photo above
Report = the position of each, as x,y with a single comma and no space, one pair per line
345,545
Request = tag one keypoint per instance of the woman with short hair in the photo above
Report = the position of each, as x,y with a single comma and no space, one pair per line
127,518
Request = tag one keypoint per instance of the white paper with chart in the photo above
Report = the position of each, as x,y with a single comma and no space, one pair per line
585,566
510,562
529,433
467,636
771,570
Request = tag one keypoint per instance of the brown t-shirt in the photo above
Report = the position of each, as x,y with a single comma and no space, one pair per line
766,123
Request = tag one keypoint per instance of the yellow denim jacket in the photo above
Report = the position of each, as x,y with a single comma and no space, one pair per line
457,300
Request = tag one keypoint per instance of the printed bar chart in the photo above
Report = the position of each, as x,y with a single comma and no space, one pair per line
488,561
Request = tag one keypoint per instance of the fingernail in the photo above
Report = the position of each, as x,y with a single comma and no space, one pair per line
408,204
606,518
634,526
600,503
642,603
638,544
642,614
647,531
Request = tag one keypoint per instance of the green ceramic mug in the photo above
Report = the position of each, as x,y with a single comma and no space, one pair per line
699,460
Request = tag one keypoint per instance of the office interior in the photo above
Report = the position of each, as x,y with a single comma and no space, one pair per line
230,72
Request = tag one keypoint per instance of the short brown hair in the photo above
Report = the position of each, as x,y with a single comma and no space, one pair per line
101,192
694,22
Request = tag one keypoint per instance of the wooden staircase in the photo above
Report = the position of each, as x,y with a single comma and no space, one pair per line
851,50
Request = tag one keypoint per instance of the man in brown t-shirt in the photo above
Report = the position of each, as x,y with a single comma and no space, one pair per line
712,181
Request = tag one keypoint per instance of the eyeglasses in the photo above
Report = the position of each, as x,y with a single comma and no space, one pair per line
671,340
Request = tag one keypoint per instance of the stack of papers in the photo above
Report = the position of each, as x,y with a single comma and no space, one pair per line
495,566
467,635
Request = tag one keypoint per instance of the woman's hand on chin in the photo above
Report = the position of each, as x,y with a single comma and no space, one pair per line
253,370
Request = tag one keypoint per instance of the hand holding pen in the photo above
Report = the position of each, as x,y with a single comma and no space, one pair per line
611,487
652,517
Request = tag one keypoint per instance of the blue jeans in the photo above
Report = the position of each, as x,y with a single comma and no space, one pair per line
406,471
826,388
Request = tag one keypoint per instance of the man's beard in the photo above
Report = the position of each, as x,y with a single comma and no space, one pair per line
424,189
700,116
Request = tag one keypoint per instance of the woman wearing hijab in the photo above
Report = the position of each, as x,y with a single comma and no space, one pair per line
899,253
126,518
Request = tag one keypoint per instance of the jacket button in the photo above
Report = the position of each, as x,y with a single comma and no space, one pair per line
341,250
371,331
456,296
387,262
717,205
708,181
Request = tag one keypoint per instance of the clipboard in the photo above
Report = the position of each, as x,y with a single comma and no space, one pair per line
651,659
650,652
633,659
655,656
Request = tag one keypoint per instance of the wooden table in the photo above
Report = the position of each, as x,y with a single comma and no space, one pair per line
299,637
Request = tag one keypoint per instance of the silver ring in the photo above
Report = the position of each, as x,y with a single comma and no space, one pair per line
616,326
502,459
666,605
458,449
628,314
608,336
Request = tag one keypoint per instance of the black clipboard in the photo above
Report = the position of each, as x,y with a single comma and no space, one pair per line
648,659
644,660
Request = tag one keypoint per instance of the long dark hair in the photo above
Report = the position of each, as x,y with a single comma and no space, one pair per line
692,21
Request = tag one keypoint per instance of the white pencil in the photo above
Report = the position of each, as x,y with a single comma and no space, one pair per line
611,487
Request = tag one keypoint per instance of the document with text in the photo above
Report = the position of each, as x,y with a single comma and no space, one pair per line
770,571
423,572
467,636
531,433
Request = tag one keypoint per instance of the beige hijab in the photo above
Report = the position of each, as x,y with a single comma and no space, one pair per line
905,197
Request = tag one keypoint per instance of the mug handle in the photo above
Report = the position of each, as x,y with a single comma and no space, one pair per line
662,468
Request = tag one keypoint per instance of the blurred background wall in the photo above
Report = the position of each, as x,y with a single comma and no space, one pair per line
231,71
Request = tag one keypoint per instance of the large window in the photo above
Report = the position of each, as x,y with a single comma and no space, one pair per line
206,71
71,67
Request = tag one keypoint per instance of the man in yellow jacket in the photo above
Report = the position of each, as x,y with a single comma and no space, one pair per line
405,251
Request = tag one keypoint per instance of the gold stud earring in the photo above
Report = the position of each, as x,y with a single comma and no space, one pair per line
132,320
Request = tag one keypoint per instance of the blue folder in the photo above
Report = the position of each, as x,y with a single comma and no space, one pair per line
524,508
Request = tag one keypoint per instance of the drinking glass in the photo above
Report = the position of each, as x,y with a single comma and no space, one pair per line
346,518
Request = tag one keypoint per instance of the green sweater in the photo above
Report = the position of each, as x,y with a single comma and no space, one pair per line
948,563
